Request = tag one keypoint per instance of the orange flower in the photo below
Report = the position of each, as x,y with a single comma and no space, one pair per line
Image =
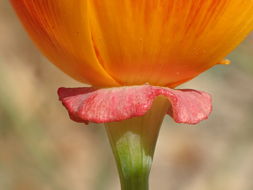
130,42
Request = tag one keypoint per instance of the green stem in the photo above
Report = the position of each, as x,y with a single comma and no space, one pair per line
133,144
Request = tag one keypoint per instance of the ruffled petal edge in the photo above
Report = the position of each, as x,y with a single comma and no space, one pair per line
106,105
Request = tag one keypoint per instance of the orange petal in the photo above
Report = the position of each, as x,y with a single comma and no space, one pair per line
61,30
166,42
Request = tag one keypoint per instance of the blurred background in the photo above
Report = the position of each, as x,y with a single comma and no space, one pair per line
41,149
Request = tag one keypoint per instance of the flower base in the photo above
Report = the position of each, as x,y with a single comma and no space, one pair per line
132,117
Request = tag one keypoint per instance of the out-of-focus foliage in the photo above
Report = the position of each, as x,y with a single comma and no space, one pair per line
40,148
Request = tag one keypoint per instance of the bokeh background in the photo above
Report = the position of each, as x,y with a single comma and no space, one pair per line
41,149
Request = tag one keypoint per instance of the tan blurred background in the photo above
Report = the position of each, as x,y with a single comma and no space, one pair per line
41,149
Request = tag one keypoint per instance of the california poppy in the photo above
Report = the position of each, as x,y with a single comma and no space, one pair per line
150,46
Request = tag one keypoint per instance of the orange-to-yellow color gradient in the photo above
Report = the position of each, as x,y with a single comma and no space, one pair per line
129,42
